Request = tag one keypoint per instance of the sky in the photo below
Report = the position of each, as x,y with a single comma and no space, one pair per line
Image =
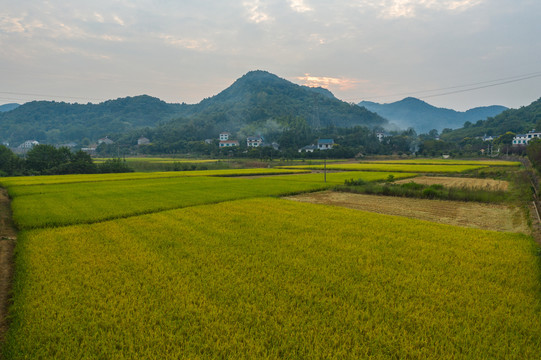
456,54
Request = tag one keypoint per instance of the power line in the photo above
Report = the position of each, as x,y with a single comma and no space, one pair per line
482,87
502,81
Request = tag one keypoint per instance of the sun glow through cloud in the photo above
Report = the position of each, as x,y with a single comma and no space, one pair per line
342,84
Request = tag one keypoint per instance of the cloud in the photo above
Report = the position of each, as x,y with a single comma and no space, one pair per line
191,44
255,14
118,20
299,6
391,9
11,25
342,84
99,17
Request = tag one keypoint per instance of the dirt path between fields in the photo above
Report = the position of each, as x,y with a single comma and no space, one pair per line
468,214
8,237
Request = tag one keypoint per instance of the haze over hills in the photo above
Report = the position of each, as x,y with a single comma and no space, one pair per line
251,103
423,117
8,107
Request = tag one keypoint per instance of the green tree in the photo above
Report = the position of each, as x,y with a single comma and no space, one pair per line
10,164
46,159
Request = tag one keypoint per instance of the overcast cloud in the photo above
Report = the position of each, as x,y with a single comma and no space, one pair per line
184,51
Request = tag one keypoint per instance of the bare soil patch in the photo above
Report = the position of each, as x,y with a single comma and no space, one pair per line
8,237
459,182
468,214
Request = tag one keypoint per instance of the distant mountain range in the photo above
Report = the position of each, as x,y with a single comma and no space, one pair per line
249,103
8,107
423,117
516,121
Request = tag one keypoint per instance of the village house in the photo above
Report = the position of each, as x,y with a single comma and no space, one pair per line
308,148
254,141
325,144
28,144
224,136
143,141
229,143
105,140
523,139
380,135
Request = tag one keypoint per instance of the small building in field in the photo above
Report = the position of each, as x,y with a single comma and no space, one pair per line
325,144
523,139
143,141
228,143
254,141
224,136
105,140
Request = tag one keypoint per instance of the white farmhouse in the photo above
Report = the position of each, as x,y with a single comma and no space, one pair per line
28,144
523,139
254,141
224,136
325,144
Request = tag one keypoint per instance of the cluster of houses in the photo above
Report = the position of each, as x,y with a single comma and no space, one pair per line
258,141
251,141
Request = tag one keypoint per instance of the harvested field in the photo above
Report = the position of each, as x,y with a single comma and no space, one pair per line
459,182
468,214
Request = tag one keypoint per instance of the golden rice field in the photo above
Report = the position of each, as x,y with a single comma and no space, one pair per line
206,266
159,160
414,168
446,162
477,215
65,179
60,204
274,279
460,182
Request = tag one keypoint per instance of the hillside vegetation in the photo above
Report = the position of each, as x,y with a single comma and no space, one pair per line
513,120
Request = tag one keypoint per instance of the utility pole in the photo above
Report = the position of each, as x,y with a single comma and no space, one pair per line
325,170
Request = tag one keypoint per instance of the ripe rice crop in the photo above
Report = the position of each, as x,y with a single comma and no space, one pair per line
460,182
446,162
160,160
66,179
87,202
414,168
270,278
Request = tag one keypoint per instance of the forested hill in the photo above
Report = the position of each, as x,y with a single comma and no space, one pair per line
260,96
57,122
253,103
514,120
423,117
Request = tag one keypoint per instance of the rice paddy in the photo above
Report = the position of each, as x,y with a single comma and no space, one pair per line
206,266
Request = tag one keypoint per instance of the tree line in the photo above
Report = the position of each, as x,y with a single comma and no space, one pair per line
49,160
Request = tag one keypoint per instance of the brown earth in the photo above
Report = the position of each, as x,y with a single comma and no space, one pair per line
8,237
470,183
468,214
